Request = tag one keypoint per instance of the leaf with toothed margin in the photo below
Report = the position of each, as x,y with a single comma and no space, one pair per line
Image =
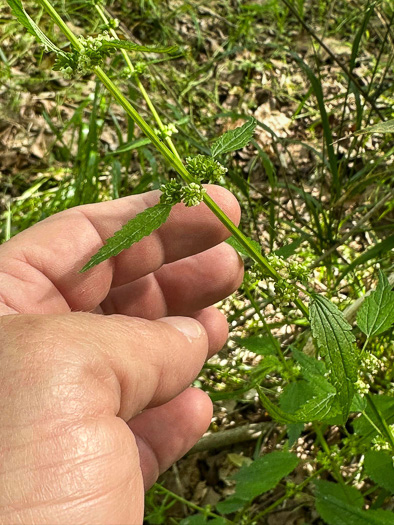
376,314
335,340
23,17
133,231
234,139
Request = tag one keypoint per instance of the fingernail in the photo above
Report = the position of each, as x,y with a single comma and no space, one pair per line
188,326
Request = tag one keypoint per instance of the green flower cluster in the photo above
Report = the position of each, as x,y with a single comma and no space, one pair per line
167,131
83,61
290,270
139,68
173,192
91,55
205,168
291,273
192,194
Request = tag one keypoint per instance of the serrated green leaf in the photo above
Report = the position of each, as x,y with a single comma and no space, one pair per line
318,408
274,411
376,314
133,231
23,17
339,505
359,403
378,465
310,366
232,241
310,401
264,474
234,139
381,127
335,341
294,395
259,344
131,46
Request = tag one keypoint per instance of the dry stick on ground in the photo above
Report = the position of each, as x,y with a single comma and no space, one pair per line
230,437
343,239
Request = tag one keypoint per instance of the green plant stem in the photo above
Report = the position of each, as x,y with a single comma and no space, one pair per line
175,161
140,86
385,429
193,506
61,24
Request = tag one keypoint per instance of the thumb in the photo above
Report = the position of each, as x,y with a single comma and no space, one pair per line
117,364
64,379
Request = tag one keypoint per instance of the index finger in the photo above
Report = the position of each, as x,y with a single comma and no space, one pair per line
40,266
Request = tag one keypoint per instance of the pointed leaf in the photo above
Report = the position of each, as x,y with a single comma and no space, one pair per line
379,467
342,506
23,17
264,474
289,249
134,144
319,408
310,401
376,314
336,343
234,139
130,46
310,366
136,229
258,344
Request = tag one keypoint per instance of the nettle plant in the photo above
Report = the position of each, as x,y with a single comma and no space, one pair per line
323,389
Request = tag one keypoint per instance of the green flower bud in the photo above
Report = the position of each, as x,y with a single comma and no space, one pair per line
171,192
192,194
205,168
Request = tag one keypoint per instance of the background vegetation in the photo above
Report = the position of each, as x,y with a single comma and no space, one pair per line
315,186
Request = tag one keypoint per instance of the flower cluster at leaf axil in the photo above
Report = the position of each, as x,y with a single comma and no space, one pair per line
205,168
173,192
167,131
290,271
82,62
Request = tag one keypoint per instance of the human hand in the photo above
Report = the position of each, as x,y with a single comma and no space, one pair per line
95,406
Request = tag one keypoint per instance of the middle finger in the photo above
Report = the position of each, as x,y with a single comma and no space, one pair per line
179,288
